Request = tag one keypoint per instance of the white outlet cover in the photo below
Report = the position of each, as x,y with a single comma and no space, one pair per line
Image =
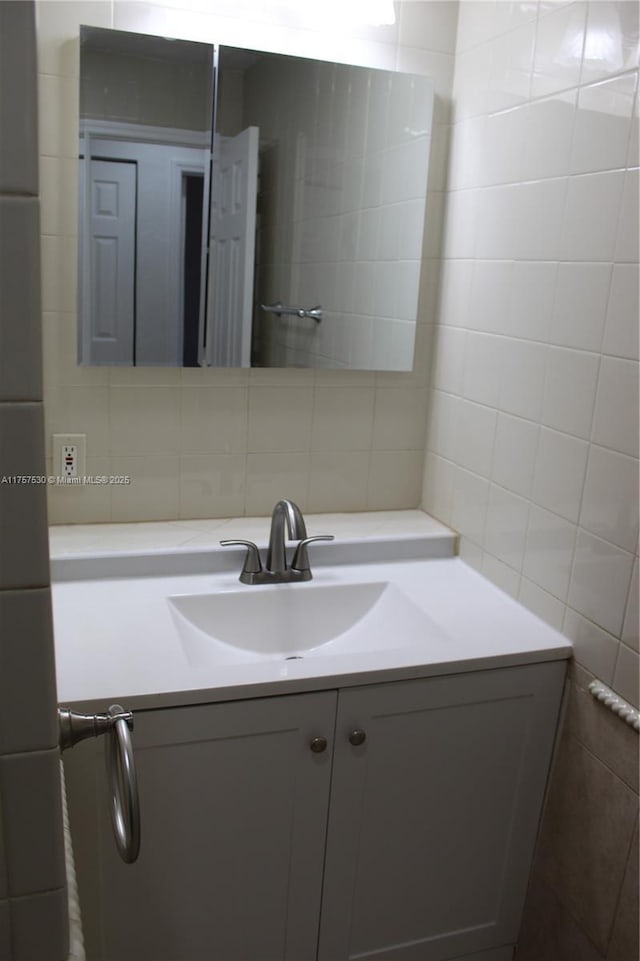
60,443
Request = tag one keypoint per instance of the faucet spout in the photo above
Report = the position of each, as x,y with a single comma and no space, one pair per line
285,512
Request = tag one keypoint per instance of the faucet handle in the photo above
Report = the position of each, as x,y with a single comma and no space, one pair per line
300,560
252,562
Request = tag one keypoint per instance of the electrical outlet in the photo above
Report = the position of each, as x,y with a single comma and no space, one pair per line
70,456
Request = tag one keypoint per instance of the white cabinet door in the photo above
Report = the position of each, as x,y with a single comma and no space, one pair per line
234,810
433,818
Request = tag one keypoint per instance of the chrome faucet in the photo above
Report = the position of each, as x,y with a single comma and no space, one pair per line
285,514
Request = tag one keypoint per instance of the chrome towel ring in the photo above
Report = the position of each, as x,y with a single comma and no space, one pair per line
124,802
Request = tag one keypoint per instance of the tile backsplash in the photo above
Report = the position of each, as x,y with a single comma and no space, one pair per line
203,443
532,448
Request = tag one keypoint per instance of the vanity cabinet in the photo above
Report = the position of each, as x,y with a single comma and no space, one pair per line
407,838
233,818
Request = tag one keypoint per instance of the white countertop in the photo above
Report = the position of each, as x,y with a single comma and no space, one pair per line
71,539
116,638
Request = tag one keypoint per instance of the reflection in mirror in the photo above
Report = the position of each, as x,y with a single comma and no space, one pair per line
319,180
293,240
145,144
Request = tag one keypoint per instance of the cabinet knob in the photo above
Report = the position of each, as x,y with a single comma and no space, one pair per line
318,745
357,738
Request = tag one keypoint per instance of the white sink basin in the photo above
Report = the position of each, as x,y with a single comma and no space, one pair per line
298,620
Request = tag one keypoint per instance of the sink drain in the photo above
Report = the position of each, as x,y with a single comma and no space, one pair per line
294,657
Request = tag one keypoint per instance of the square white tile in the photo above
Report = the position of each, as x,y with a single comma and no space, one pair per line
449,350
475,437
153,491
21,354
34,846
469,507
590,223
455,292
18,99
443,424
400,418
27,663
615,422
514,454
212,485
626,675
610,498
631,617
511,67
144,420
395,480
580,305
621,326
506,526
342,418
549,552
541,603
272,476
24,559
603,124
483,358
437,487
280,418
522,378
594,648
611,39
39,925
549,134
570,391
503,576
502,157
490,296
531,299
627,243
600,582
560,470
558,53
338,480
213,419
539,212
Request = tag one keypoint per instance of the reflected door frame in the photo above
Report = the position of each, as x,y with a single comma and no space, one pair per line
187,152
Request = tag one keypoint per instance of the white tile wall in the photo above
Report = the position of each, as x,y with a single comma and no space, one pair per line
275,431
33,915
538,318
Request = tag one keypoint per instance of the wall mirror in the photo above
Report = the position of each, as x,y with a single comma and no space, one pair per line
286,233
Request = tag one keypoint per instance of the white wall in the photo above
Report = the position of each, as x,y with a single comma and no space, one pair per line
532,450
200,443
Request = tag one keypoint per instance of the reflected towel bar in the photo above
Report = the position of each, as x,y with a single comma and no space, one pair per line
313,313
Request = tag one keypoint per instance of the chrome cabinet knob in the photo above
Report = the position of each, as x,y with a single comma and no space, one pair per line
318,745
357,738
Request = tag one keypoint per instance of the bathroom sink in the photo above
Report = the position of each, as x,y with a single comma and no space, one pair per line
294,621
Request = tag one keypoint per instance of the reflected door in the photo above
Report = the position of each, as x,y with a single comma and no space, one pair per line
232,247
108,274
